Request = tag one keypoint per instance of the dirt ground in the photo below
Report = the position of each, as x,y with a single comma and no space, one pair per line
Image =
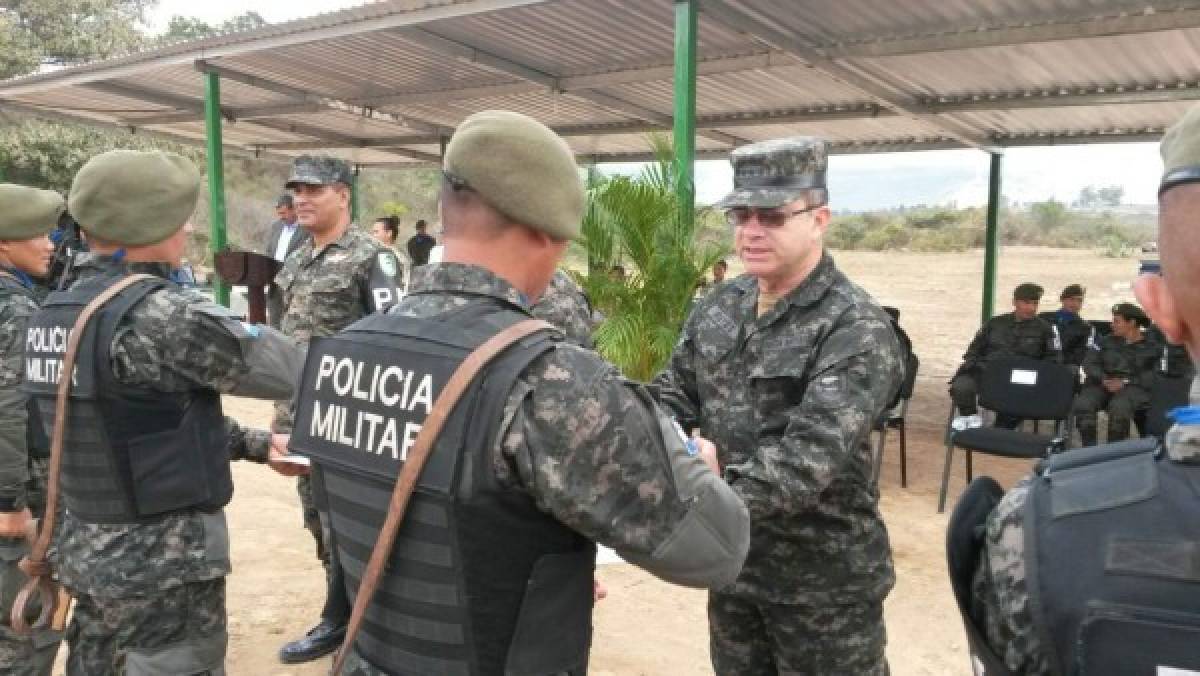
648,627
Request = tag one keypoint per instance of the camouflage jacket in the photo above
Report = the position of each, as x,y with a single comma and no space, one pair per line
326,291
789,398
999,585
168,344
564,305
1075,332
1116,358
17,304
1003,336
583,442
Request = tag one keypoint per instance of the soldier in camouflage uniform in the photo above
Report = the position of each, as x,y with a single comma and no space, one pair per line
785,368
1013,629
337,276
1120,373
564,305
25,251
149,578
1018,333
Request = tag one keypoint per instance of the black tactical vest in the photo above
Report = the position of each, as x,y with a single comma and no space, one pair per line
37,444
130,453
1112,537
481,581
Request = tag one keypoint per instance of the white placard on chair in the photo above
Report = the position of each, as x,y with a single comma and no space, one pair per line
1023,377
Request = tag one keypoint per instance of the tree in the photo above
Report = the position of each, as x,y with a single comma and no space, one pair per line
182,28
1048,215
1091,197
34,33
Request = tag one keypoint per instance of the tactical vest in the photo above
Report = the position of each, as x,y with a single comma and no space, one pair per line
1113,561
480,581
131,453
37,443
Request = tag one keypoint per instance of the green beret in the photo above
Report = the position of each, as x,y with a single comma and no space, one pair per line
1131,313
134,198
1072,291
521,168
1180,150
1027,291
26,212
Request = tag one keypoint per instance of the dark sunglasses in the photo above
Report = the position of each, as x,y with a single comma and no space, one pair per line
768,218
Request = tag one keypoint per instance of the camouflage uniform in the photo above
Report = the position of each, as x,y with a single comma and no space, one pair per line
1002,336
1115,358
999,590
323,294
788,398
145,587
564,305
1075,332
22,478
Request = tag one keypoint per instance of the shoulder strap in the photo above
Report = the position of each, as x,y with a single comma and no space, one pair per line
406,482
35,565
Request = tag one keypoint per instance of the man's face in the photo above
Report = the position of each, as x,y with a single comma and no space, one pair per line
1025,309
31,256
285,213
778,248
1073,304
420,230
719,272
1124,328
380,232
320,207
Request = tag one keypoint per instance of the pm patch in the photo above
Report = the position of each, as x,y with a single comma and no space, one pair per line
829,388
387,263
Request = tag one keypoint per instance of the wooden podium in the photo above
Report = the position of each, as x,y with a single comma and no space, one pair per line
255,272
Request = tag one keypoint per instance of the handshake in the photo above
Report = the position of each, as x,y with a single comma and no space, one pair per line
283,462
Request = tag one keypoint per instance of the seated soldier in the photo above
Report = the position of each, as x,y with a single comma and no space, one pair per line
1018,333
1074,330
1119,372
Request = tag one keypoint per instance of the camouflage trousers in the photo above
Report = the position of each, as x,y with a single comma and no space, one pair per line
356,666
1122,408
24,655
312,517
176,631
750,638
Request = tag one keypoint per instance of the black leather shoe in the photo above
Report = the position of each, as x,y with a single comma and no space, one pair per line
321,640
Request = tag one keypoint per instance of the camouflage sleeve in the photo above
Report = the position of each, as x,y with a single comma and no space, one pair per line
595,451
381,282
975,350
999,592
827,429
14,455
1093,364
247,443
564,305
675,386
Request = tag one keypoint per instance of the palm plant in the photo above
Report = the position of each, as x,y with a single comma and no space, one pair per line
637,223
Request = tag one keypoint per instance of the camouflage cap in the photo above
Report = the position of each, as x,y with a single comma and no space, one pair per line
772,173
134,198
1028,291
1072,291
1131,313
319,170
1180,150
521,168
27,212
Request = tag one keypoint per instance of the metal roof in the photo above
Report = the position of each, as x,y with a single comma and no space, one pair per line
385,83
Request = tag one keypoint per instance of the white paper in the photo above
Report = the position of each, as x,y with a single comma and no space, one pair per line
1023,377
296,460
1172,671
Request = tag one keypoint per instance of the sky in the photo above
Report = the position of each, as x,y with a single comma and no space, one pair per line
856,182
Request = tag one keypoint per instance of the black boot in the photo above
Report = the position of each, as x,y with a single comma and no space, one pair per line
321,640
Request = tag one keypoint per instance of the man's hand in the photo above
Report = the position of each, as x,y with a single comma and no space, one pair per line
599,591
14,524
707,451
1113,385
277,453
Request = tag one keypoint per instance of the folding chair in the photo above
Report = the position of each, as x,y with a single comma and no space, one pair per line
1166,392
894,418
1023,388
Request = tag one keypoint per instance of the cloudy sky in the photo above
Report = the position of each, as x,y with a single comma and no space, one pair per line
856,182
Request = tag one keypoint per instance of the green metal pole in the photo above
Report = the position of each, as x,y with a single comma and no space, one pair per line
216,177
992,238
354,195
685,105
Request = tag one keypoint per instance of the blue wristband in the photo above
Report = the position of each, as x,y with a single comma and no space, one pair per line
1185,415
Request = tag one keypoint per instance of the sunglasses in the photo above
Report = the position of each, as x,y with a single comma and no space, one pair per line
768,218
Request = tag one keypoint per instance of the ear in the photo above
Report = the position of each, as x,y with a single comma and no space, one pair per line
821,219
1156,300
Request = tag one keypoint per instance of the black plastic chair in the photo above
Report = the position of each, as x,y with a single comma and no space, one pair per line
1016,387
1166,392
894,418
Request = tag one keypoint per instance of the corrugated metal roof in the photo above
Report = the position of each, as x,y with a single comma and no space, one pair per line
865,74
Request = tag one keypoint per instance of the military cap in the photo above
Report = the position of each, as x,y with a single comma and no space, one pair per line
1180,149
772,173
1027,291
27,212
521,168
285,200
1072,291
1131,313
134,197
319,170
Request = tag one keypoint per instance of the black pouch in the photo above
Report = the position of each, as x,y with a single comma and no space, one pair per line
1135,641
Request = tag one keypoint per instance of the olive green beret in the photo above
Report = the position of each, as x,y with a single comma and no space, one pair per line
134,198
520,167
1027,291
26,212
1180,150
1072,291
